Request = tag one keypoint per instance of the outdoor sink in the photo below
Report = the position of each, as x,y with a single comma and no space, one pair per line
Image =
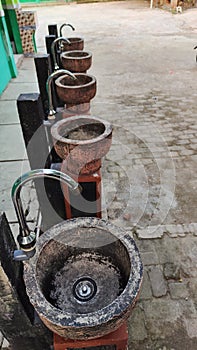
82,141
76,61
84,278
76,91
75,44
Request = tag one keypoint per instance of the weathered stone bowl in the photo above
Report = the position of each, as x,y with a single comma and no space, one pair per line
76,91
75,44
76,61
85,278
82,141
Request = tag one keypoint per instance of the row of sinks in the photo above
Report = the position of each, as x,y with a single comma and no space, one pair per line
85,276
75,44
73,57
75,60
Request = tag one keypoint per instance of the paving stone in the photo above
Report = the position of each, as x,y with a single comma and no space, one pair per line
193,288
150,232
193,140
15,89
149,258
145,245
136,325
188,308
9,172
171,230
178,290
8,113
158,284
193,146
187,152
12,144
146,292
191,327
170,250
172,271
161,315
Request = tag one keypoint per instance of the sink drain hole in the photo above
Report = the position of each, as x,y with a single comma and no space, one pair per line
84,289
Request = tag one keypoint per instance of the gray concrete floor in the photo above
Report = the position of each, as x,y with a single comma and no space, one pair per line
146,72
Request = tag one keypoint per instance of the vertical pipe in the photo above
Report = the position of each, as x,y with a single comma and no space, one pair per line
43,70
31,117
48,42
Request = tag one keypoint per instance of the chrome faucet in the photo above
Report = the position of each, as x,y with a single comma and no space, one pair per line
53,45
66,24
52,112
27,237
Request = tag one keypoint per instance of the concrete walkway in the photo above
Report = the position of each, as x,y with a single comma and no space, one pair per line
146,71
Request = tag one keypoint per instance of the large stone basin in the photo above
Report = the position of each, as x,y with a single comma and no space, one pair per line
76,91
82,141
85,278
76,61
75,44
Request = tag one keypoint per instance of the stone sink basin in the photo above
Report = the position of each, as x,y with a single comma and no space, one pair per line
75,44
84,278
73,92
76,61
82,141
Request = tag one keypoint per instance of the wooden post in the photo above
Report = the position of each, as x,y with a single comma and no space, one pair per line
31,117
43,70
52,29
48,42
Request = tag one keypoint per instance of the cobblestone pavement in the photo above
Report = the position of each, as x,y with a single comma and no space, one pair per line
145,66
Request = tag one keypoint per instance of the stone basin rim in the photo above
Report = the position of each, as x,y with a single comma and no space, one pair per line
66,54
75,38
57,127
75,87
119,305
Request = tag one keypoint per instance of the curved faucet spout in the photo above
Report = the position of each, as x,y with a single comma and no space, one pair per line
53,75
53,45
27,238
64,25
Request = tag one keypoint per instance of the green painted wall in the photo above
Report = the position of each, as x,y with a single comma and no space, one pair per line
7,65
5,72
